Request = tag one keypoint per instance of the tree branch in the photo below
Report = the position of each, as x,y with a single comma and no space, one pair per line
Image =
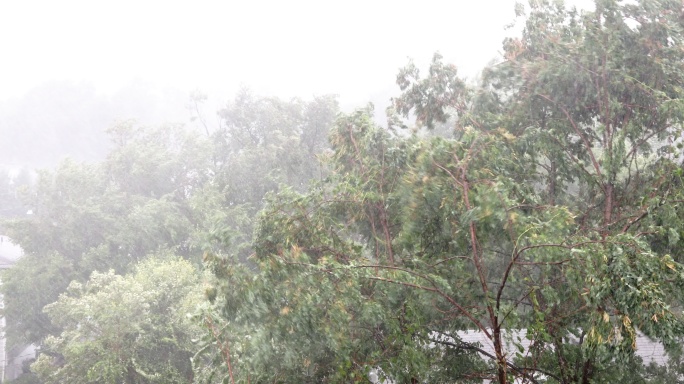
520,370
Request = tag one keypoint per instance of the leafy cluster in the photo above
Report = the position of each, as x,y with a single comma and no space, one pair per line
131,328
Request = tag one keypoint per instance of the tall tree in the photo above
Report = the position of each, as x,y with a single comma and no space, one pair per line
554,212
96,217
263,143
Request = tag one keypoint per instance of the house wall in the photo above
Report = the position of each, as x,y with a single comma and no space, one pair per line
11,362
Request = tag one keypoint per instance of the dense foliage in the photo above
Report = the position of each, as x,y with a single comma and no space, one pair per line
554,210
131,328
160,190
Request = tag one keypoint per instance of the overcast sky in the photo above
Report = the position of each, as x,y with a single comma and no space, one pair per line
280,47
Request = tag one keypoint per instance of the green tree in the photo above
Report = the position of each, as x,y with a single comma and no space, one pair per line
263,143
133,328
101,216
554,211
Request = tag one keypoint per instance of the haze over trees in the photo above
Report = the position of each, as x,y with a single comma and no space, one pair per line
64,119
307,245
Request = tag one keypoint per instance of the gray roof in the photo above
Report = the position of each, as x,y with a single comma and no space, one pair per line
649,350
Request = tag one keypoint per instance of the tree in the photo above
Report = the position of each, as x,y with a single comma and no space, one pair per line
101,216
554,211
263,143
133,328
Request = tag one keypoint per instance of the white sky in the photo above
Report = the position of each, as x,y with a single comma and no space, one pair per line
281,47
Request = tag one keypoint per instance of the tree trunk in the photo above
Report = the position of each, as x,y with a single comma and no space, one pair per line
501,373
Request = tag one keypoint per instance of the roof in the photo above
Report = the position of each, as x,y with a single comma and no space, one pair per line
648,349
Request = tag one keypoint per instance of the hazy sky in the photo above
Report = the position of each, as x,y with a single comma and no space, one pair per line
281,47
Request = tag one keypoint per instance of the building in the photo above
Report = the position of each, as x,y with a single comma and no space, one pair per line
11,362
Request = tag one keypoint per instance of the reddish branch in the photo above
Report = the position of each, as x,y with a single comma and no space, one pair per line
224,347
433,288
584,139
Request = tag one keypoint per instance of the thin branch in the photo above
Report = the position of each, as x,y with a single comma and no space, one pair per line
224,347
448,259
520,370
585,141
434,289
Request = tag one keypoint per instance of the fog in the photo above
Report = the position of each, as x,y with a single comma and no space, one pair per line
293,48
73,68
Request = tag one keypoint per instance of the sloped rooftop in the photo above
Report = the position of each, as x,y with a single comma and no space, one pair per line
649,350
